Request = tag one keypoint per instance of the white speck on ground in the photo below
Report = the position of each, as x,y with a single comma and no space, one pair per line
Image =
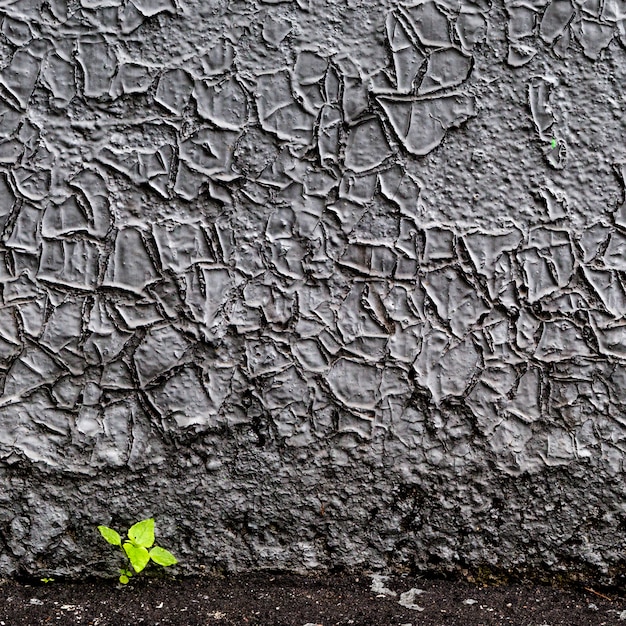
378,585
407,599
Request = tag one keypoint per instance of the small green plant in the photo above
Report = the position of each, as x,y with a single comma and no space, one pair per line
139,548
46,580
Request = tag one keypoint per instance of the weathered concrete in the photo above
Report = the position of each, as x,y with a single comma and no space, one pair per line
313,283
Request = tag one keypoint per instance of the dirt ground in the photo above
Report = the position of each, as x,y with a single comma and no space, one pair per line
283,599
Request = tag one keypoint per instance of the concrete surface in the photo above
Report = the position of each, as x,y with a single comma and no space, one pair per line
313,283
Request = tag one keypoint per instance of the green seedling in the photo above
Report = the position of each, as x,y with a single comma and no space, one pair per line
139,548
553,143
46,580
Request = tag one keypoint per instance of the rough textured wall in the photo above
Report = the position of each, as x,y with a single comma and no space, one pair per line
314,283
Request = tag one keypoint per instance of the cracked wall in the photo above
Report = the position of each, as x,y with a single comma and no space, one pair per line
316,284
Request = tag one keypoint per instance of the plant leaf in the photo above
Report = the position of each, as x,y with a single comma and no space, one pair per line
110,535
162,557
124,579
142,533
137,555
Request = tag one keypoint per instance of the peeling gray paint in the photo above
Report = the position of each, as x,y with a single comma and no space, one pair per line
314,284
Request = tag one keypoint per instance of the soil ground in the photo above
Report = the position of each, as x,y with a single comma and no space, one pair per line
282,599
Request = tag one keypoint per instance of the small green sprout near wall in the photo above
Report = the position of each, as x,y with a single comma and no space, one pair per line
139,547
